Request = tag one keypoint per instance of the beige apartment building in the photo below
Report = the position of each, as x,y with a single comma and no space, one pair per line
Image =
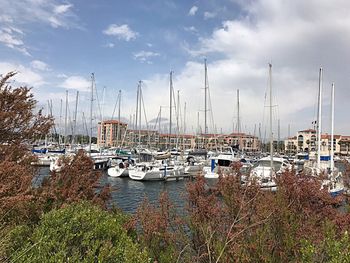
108,134
306,141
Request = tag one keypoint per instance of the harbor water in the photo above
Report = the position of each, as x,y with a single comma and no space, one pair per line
128,195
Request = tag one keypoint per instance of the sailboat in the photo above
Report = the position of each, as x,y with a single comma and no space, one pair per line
266,169
333,183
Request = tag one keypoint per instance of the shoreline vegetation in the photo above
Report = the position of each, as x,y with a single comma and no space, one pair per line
67,219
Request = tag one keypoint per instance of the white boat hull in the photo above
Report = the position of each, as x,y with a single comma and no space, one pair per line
118,172
156,174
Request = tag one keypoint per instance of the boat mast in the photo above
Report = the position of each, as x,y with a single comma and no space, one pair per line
177,119
171,105
332,128
60,129
140,111
205,97
238,120
75,117
271,134
102,117
118,128
66,121
91,105
319,116
160,120
137,110
184,128
279,137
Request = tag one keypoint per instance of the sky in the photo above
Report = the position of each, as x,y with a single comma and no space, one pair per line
55,46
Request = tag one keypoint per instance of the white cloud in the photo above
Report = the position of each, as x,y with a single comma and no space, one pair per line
33,11
191,29
5,18
143,56
39,65
61,76
122,32
193,10
208,15
77,83
60,9
109,45
298,37
24,76
13,38
17,15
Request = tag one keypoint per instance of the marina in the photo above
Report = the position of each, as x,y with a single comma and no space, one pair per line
174,131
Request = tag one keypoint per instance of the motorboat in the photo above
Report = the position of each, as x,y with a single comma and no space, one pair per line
264,174
121,169
155,171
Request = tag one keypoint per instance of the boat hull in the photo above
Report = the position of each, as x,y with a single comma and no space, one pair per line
118,172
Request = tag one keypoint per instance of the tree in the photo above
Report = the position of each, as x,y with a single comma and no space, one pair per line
75,182
19,124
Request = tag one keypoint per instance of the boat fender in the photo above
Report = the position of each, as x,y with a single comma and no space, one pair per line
212,165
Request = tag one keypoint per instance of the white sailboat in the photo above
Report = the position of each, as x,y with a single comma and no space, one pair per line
266,169
333,183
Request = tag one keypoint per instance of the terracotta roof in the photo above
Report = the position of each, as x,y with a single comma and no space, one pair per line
308,130
112,122
142,131
174,135
328,136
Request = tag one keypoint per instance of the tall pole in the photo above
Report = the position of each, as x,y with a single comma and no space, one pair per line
140,111
118,127
319,117
177,118
271,134
137,110
198,129
75,117
238,120
288,130
102,119
60,129
332,128
130,123
91,105
160,121
205,97
184,129
171,106
134,129
66,120
279,137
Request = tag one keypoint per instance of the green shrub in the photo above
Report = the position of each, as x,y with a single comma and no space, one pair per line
77,233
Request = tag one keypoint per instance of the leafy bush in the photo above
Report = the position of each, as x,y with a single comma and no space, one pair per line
76,233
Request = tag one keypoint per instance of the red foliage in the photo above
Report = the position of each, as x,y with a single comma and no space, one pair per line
236,223
76,181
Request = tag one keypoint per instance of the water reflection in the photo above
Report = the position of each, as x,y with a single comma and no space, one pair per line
128,194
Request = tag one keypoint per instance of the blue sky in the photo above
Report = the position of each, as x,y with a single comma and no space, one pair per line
55,45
